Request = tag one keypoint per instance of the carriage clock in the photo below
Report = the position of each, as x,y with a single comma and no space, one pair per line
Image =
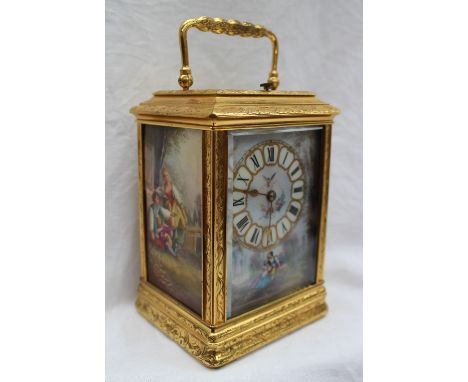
233,191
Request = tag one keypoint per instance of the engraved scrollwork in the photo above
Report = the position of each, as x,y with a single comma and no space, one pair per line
229,27
208,228
227,110
219,352
220,164
317,294
151,300
171,328
233,92
277,110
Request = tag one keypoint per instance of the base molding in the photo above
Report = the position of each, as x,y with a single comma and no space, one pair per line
219,345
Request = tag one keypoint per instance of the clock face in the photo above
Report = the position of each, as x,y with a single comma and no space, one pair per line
273,214
268,194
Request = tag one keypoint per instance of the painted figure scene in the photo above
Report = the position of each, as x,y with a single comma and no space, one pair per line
172,165
274,215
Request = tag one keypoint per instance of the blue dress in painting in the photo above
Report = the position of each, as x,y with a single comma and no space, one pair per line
270,266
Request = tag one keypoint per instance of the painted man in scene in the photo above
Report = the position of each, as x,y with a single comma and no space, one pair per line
160,223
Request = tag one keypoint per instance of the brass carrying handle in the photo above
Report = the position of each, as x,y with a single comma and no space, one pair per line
231,28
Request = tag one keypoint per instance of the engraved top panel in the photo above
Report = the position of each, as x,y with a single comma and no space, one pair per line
232,105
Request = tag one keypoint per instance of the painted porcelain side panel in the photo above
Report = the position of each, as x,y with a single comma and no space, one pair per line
173,185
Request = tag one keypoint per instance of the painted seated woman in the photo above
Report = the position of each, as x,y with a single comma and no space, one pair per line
160,223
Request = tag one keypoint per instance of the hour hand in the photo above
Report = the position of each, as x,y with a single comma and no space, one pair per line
254,192
250,192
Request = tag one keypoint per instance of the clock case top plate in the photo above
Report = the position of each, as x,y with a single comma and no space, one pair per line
225,109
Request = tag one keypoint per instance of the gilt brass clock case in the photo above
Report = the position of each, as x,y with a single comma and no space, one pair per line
206,327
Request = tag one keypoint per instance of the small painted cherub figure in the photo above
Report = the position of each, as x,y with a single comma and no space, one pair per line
270,266
160,223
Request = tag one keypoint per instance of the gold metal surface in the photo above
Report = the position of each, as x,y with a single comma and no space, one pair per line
231,28
233,92
214,209
207,206
211,338
222,109
219,191
141,204
217,346
326,147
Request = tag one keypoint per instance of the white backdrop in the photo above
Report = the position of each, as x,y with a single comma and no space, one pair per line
320,50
